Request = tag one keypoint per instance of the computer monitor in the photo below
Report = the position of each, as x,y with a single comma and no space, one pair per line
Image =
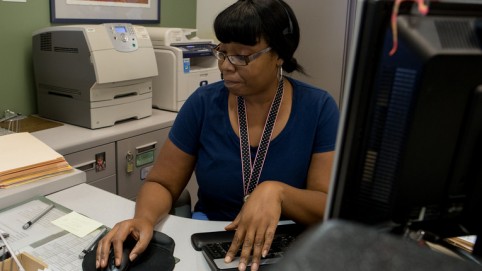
409,151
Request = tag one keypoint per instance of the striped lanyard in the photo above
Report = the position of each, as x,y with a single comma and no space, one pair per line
252,171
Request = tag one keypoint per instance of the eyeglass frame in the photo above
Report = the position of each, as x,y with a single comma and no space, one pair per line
246,58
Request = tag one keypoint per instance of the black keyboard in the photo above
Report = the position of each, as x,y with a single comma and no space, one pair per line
214,246
280,244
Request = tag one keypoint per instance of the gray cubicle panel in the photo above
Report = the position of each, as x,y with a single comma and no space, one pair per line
135,158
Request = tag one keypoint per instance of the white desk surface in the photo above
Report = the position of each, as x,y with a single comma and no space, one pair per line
109,209
68,138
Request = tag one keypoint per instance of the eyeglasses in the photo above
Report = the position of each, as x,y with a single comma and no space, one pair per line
238,60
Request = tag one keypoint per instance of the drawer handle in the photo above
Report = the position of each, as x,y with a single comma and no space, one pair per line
86,166
146,147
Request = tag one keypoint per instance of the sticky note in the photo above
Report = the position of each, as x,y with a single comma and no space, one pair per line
77,224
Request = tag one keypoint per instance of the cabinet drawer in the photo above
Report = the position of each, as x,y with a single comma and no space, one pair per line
135,157
97,162
108,184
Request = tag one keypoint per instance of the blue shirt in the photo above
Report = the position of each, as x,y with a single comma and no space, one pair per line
202,128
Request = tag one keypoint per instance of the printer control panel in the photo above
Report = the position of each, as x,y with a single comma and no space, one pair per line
123,36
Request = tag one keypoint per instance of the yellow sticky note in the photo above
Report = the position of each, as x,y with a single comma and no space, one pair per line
77,224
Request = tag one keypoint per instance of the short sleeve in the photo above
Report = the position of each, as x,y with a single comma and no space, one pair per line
327,126
187,125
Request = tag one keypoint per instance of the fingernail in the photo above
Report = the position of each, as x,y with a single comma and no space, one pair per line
227,259
132,257
254,267
242,267
97,264
264,254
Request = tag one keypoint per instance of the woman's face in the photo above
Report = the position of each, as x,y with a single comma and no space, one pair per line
257,77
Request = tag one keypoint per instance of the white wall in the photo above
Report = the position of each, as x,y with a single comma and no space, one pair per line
207,10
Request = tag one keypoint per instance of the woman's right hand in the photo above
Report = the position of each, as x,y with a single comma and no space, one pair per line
140,229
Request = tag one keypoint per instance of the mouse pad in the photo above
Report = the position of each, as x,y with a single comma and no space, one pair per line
157,256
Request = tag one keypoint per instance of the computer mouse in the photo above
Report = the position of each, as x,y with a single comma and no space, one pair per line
125,261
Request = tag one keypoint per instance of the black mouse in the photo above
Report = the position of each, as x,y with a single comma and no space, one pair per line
125,261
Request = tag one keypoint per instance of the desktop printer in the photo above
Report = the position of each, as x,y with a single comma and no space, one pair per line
184,64
94,75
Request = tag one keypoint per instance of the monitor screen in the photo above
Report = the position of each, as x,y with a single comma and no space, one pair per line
409,151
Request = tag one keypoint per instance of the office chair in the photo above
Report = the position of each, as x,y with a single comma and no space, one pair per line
340,246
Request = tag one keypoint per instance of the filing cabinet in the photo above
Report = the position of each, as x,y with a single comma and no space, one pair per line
120,167
135,158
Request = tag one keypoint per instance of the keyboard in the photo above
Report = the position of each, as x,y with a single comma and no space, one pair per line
214,246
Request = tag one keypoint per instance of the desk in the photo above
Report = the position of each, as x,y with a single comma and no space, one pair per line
109,209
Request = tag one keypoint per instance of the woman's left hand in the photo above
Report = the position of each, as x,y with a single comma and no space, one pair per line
256,224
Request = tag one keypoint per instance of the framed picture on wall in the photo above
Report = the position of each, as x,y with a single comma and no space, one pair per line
102,11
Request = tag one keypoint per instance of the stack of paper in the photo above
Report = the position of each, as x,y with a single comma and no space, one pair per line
464,242
24,158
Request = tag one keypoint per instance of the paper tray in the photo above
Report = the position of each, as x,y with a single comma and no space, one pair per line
29,262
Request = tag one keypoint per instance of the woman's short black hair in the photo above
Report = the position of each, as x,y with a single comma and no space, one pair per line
247,21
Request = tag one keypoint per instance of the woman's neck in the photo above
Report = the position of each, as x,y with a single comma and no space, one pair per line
262,100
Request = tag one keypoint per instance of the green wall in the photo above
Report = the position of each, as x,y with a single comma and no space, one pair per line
19,20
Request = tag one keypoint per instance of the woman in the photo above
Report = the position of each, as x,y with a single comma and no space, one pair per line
288,140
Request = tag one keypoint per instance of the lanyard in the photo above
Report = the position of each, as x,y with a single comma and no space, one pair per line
252,172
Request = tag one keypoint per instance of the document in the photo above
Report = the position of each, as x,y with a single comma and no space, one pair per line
25,158
62,252
52,244
23,150
464,242
12,221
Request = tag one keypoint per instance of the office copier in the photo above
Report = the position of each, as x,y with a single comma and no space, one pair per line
184,63
94,75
